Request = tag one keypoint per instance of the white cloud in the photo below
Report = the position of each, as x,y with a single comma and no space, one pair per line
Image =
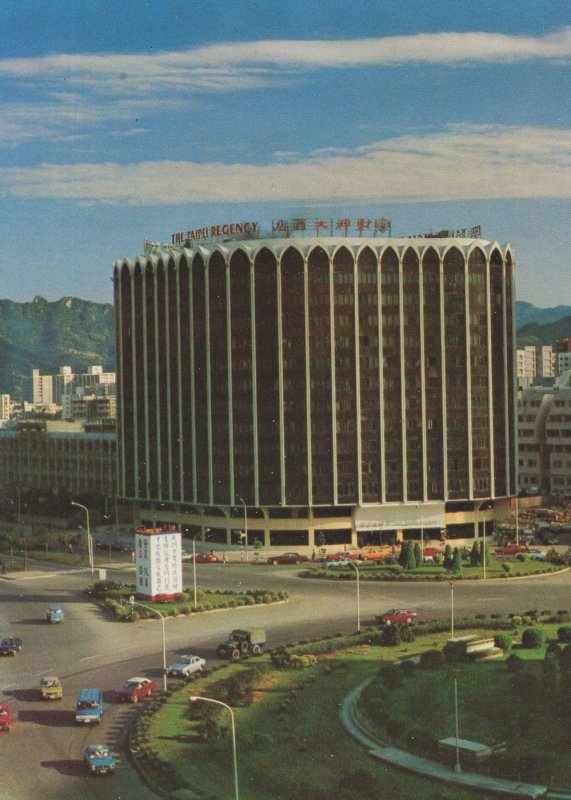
248,65
461,163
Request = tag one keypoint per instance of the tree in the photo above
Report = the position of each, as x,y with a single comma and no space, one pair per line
475,554
448,557
417,555
403,553
410,559
457,561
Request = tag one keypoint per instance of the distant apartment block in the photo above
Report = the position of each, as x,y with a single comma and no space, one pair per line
533,364
4,407
42,388
89,406
47,389
544,437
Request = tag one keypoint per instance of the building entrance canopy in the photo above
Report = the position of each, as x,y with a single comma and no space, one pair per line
399,516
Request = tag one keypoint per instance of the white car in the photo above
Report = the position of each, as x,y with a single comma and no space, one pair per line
342,562
533,552
187,667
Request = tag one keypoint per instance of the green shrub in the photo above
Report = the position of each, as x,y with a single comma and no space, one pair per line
431,659
532,638
503,641
506,567
564,634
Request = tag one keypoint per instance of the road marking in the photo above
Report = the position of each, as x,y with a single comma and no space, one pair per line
88,658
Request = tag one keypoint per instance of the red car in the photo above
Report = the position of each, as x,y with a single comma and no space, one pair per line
135,689
288,558
348,554
511,549
206,558
5,718
396,615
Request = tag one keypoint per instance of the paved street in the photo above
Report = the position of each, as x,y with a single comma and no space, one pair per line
42,753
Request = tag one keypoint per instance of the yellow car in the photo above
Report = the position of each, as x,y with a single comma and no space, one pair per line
51,688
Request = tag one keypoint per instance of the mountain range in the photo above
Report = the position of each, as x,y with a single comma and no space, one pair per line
78,333
48,335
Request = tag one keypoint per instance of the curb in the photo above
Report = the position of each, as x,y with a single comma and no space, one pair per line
432,770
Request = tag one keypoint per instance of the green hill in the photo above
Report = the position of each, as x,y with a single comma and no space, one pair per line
47,335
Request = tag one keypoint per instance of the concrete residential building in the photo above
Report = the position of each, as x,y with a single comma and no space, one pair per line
544,438
59,456
347,388
42,389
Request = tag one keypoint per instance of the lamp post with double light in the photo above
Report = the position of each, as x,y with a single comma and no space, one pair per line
89,537
196,699
134,602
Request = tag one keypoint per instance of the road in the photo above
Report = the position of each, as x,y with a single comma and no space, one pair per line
42,753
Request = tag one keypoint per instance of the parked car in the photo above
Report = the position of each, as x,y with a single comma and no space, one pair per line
5,717
10,646
51,688
341,562
396,615
98,759
429,552
539,555
135,689
346,555
187,667
511,549
288,558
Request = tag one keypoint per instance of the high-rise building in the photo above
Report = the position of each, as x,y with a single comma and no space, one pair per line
318,389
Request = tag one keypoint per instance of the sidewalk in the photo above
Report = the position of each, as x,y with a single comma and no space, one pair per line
432,769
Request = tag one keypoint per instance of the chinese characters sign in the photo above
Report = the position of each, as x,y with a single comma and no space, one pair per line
158,564
332,227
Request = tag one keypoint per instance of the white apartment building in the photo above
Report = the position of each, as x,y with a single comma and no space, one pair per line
4,406
544,438
49,389
534,363
42,389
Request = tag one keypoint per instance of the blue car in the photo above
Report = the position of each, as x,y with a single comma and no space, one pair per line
10,646
98,759
54,613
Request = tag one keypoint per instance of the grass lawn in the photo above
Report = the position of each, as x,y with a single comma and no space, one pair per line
292,746
421,711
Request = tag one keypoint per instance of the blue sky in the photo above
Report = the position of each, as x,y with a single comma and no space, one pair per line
128,120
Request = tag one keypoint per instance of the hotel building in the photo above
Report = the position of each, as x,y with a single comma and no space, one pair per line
339,390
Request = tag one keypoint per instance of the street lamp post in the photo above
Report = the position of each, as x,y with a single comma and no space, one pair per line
356,568
89,538
195,699
245,537
516,519
457,767
419,508
134,602
194,569
451,584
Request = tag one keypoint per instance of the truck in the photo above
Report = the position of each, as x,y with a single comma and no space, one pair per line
242,643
